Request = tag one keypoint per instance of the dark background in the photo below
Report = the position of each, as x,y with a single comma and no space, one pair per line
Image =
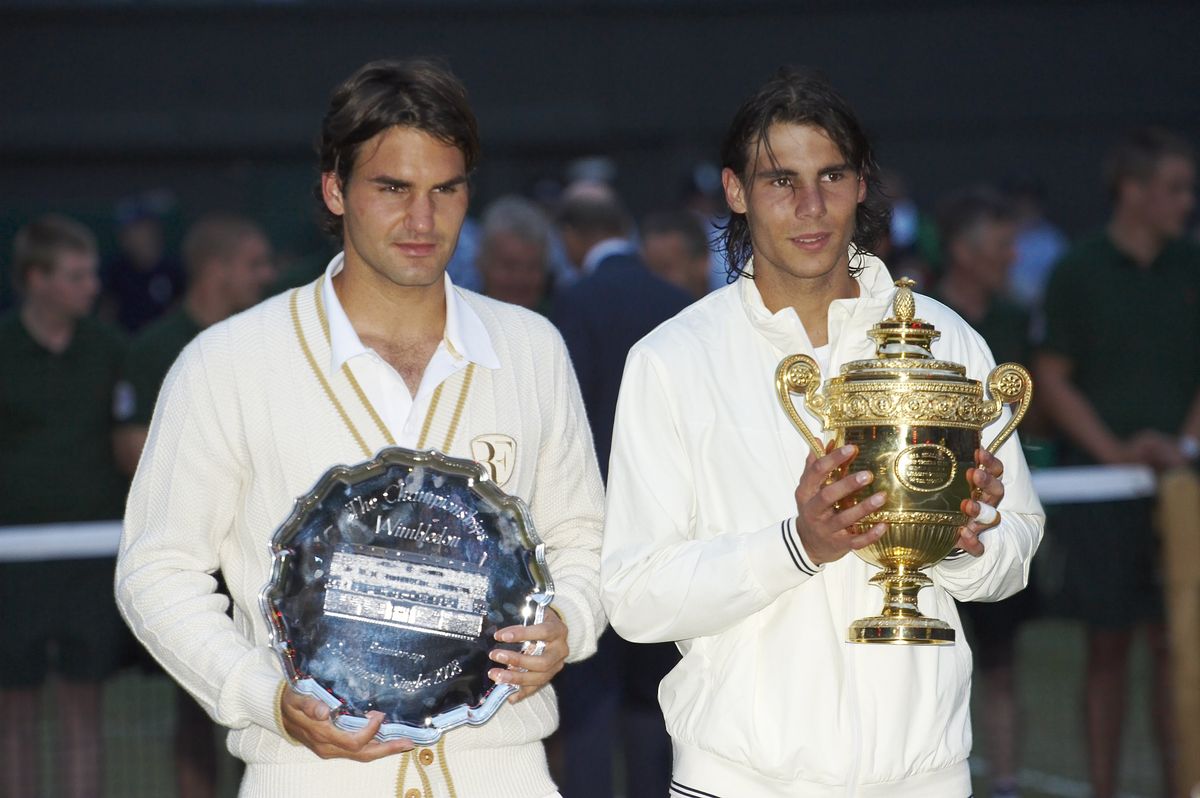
219,102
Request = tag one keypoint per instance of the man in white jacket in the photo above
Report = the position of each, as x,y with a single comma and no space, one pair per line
721,534
381,349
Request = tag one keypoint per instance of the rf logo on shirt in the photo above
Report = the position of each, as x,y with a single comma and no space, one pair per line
497,453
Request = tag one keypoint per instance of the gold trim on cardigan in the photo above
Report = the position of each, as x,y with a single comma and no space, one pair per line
441,754
401,772
320,375
426,784
466,375
362,396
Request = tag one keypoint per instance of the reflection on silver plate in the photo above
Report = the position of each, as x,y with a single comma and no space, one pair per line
390,580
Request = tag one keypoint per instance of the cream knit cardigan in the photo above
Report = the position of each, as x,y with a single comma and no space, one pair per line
243,426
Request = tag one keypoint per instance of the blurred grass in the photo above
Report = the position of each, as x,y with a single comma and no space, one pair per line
1053,757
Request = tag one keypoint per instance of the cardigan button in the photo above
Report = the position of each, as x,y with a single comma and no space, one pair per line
425,757
413,793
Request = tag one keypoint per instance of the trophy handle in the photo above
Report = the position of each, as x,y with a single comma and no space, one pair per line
1010,384
799,374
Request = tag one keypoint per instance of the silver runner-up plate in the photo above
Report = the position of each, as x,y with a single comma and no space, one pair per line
390,580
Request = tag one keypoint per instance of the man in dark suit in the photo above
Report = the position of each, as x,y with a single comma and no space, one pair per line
613,695
616,301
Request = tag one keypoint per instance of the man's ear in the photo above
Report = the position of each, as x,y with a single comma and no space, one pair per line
331,192
735,192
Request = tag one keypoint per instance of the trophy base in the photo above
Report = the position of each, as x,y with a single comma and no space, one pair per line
903,631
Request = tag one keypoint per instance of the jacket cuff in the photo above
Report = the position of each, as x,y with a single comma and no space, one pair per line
253,693
279,728
581,642
777,558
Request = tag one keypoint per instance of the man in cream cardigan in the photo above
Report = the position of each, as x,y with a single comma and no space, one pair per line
382,349
721,530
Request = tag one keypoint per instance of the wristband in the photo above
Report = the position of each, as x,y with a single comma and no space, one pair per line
1189,447
279,715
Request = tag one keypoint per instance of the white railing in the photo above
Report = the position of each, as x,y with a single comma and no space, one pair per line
100,538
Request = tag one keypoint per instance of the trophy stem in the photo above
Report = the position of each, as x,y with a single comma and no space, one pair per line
900,621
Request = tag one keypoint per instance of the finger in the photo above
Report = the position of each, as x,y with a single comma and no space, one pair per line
860,541
852,515
523,693
357,740
968,540
542,662
989,462
819,470
523,678
305,706
550,629
378,749
361,744
834,492
982,516
987,487
987,515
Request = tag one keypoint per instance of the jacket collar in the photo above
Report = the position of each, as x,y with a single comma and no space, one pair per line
786,333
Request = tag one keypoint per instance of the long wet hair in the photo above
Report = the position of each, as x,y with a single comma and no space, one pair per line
801,97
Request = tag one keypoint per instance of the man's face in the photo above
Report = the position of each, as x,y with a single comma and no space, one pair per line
575,245
249,271
69,288
402,207
986,253
142,242
801,210
668,255
514,270
1165,199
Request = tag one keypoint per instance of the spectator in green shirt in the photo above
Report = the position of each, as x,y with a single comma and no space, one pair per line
229,266
1119,371
978,229
58,366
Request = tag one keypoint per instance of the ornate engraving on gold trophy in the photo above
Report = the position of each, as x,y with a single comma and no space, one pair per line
916,422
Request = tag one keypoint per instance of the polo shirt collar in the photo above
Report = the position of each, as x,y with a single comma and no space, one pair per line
606,249
465,336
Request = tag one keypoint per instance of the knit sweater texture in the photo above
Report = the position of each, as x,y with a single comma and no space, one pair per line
243,427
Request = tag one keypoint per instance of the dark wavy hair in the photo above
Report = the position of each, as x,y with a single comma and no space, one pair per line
417,93
802,97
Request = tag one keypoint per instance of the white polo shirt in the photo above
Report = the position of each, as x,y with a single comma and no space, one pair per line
465,340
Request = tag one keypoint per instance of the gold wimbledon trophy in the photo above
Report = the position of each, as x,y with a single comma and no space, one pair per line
916,423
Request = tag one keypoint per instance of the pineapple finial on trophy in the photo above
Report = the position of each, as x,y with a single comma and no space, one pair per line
904,305
903,335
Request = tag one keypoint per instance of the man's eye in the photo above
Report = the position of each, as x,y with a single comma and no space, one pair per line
447,189
781,182
834,177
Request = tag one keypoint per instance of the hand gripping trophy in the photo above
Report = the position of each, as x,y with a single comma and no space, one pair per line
916,422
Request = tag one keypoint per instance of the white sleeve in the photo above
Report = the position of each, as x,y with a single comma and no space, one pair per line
660,580
181,508
1003,569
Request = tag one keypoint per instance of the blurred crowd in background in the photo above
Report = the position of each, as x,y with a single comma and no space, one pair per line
87,334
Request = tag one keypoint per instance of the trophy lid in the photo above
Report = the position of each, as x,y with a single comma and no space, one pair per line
903,345
903,335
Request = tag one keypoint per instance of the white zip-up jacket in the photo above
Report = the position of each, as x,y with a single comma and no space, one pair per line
700,548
